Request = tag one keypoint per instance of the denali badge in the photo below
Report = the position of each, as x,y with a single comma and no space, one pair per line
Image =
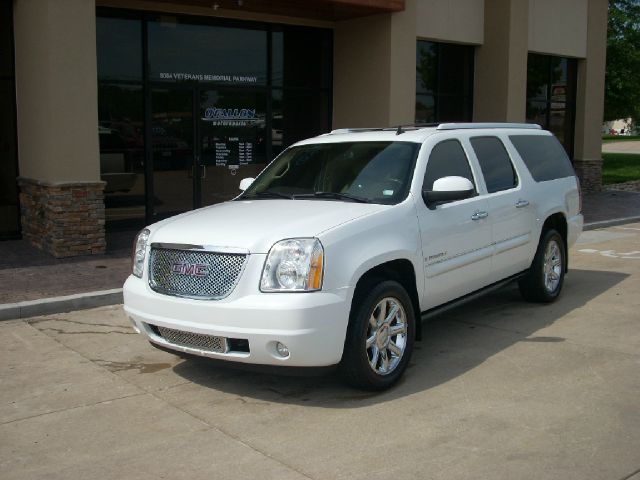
191,269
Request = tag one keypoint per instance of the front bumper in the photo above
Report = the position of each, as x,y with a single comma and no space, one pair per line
311,325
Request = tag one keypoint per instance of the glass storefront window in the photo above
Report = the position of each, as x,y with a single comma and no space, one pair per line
183,52
551,88
301,57
298,115
119,49
217,110
444,82
9,208
121,134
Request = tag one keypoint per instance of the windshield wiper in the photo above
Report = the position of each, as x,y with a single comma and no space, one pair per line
267,194
333,195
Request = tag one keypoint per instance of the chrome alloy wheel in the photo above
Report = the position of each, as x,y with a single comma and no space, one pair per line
552,266
386,336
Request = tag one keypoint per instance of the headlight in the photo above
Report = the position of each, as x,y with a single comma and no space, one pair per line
139,252
294,265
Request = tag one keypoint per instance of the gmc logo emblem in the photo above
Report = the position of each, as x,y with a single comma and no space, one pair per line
191,269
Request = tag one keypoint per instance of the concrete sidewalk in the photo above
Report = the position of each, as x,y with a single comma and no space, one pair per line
34,283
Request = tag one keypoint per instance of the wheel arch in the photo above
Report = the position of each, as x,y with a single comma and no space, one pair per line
558,221
399,270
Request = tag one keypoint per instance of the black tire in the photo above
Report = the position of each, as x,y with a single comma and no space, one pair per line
358,359
543,283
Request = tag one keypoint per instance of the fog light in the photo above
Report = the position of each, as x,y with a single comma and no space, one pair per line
282,350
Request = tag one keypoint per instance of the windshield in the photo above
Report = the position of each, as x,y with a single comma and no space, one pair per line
373,172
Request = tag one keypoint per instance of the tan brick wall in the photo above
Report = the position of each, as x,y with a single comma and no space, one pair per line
65,220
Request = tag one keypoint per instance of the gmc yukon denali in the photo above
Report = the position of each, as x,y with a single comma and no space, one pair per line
333,254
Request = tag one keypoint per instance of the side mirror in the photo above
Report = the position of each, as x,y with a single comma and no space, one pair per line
448,189
245,183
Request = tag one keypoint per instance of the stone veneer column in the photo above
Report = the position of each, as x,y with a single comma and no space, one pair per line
590,100
63,219
62,207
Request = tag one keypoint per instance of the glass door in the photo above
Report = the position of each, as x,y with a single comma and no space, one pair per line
172,146
232,140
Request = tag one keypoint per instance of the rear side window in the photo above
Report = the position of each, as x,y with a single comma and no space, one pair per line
495,163
447,159
544,156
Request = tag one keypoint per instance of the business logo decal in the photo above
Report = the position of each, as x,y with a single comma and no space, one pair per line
230,117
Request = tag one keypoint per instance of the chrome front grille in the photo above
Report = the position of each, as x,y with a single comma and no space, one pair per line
196,274
209,343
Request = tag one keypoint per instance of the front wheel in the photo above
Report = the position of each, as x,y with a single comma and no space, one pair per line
379,338
544,281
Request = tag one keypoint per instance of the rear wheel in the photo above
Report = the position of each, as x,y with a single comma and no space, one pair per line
380,337
544,281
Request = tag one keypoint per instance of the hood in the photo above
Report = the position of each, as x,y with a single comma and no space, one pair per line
255,225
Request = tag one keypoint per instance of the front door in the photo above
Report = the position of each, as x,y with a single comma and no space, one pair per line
172,151
456,236
203,142
232,140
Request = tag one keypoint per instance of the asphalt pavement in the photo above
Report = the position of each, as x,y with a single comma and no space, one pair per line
498,389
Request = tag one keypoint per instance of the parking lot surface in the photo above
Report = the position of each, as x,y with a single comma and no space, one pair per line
498,389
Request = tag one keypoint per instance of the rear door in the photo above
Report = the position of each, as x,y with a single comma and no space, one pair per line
511,214
456,236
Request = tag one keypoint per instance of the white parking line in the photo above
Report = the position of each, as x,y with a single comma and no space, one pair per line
633,255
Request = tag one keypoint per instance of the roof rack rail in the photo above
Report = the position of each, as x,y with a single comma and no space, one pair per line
457,126
397,128
356,130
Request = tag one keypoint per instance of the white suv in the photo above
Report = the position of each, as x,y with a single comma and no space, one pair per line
334,252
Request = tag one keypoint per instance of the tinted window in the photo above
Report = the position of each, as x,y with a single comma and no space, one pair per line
551,93
301,57
181,52
495,163
447,159
544,156
119,43
444,82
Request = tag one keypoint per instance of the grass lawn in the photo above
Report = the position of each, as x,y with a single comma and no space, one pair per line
620,167
619,138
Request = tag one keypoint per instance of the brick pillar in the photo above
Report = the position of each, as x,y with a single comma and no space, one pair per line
65,219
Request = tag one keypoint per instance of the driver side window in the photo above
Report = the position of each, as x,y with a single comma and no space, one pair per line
447,159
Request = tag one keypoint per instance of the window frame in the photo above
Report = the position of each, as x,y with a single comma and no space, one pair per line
474,178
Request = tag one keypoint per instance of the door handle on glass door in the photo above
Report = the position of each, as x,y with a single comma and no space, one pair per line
522,203
479,215
203,172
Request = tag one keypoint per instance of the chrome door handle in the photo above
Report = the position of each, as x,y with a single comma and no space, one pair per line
203,171
522,203
479,215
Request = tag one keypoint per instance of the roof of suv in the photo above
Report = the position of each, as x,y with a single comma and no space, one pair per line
408,133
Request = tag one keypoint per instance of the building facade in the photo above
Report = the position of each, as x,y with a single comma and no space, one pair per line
119,113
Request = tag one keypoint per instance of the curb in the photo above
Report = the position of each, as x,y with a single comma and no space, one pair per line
68,303
610,223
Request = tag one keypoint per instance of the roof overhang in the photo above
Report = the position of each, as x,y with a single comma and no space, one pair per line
332,10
